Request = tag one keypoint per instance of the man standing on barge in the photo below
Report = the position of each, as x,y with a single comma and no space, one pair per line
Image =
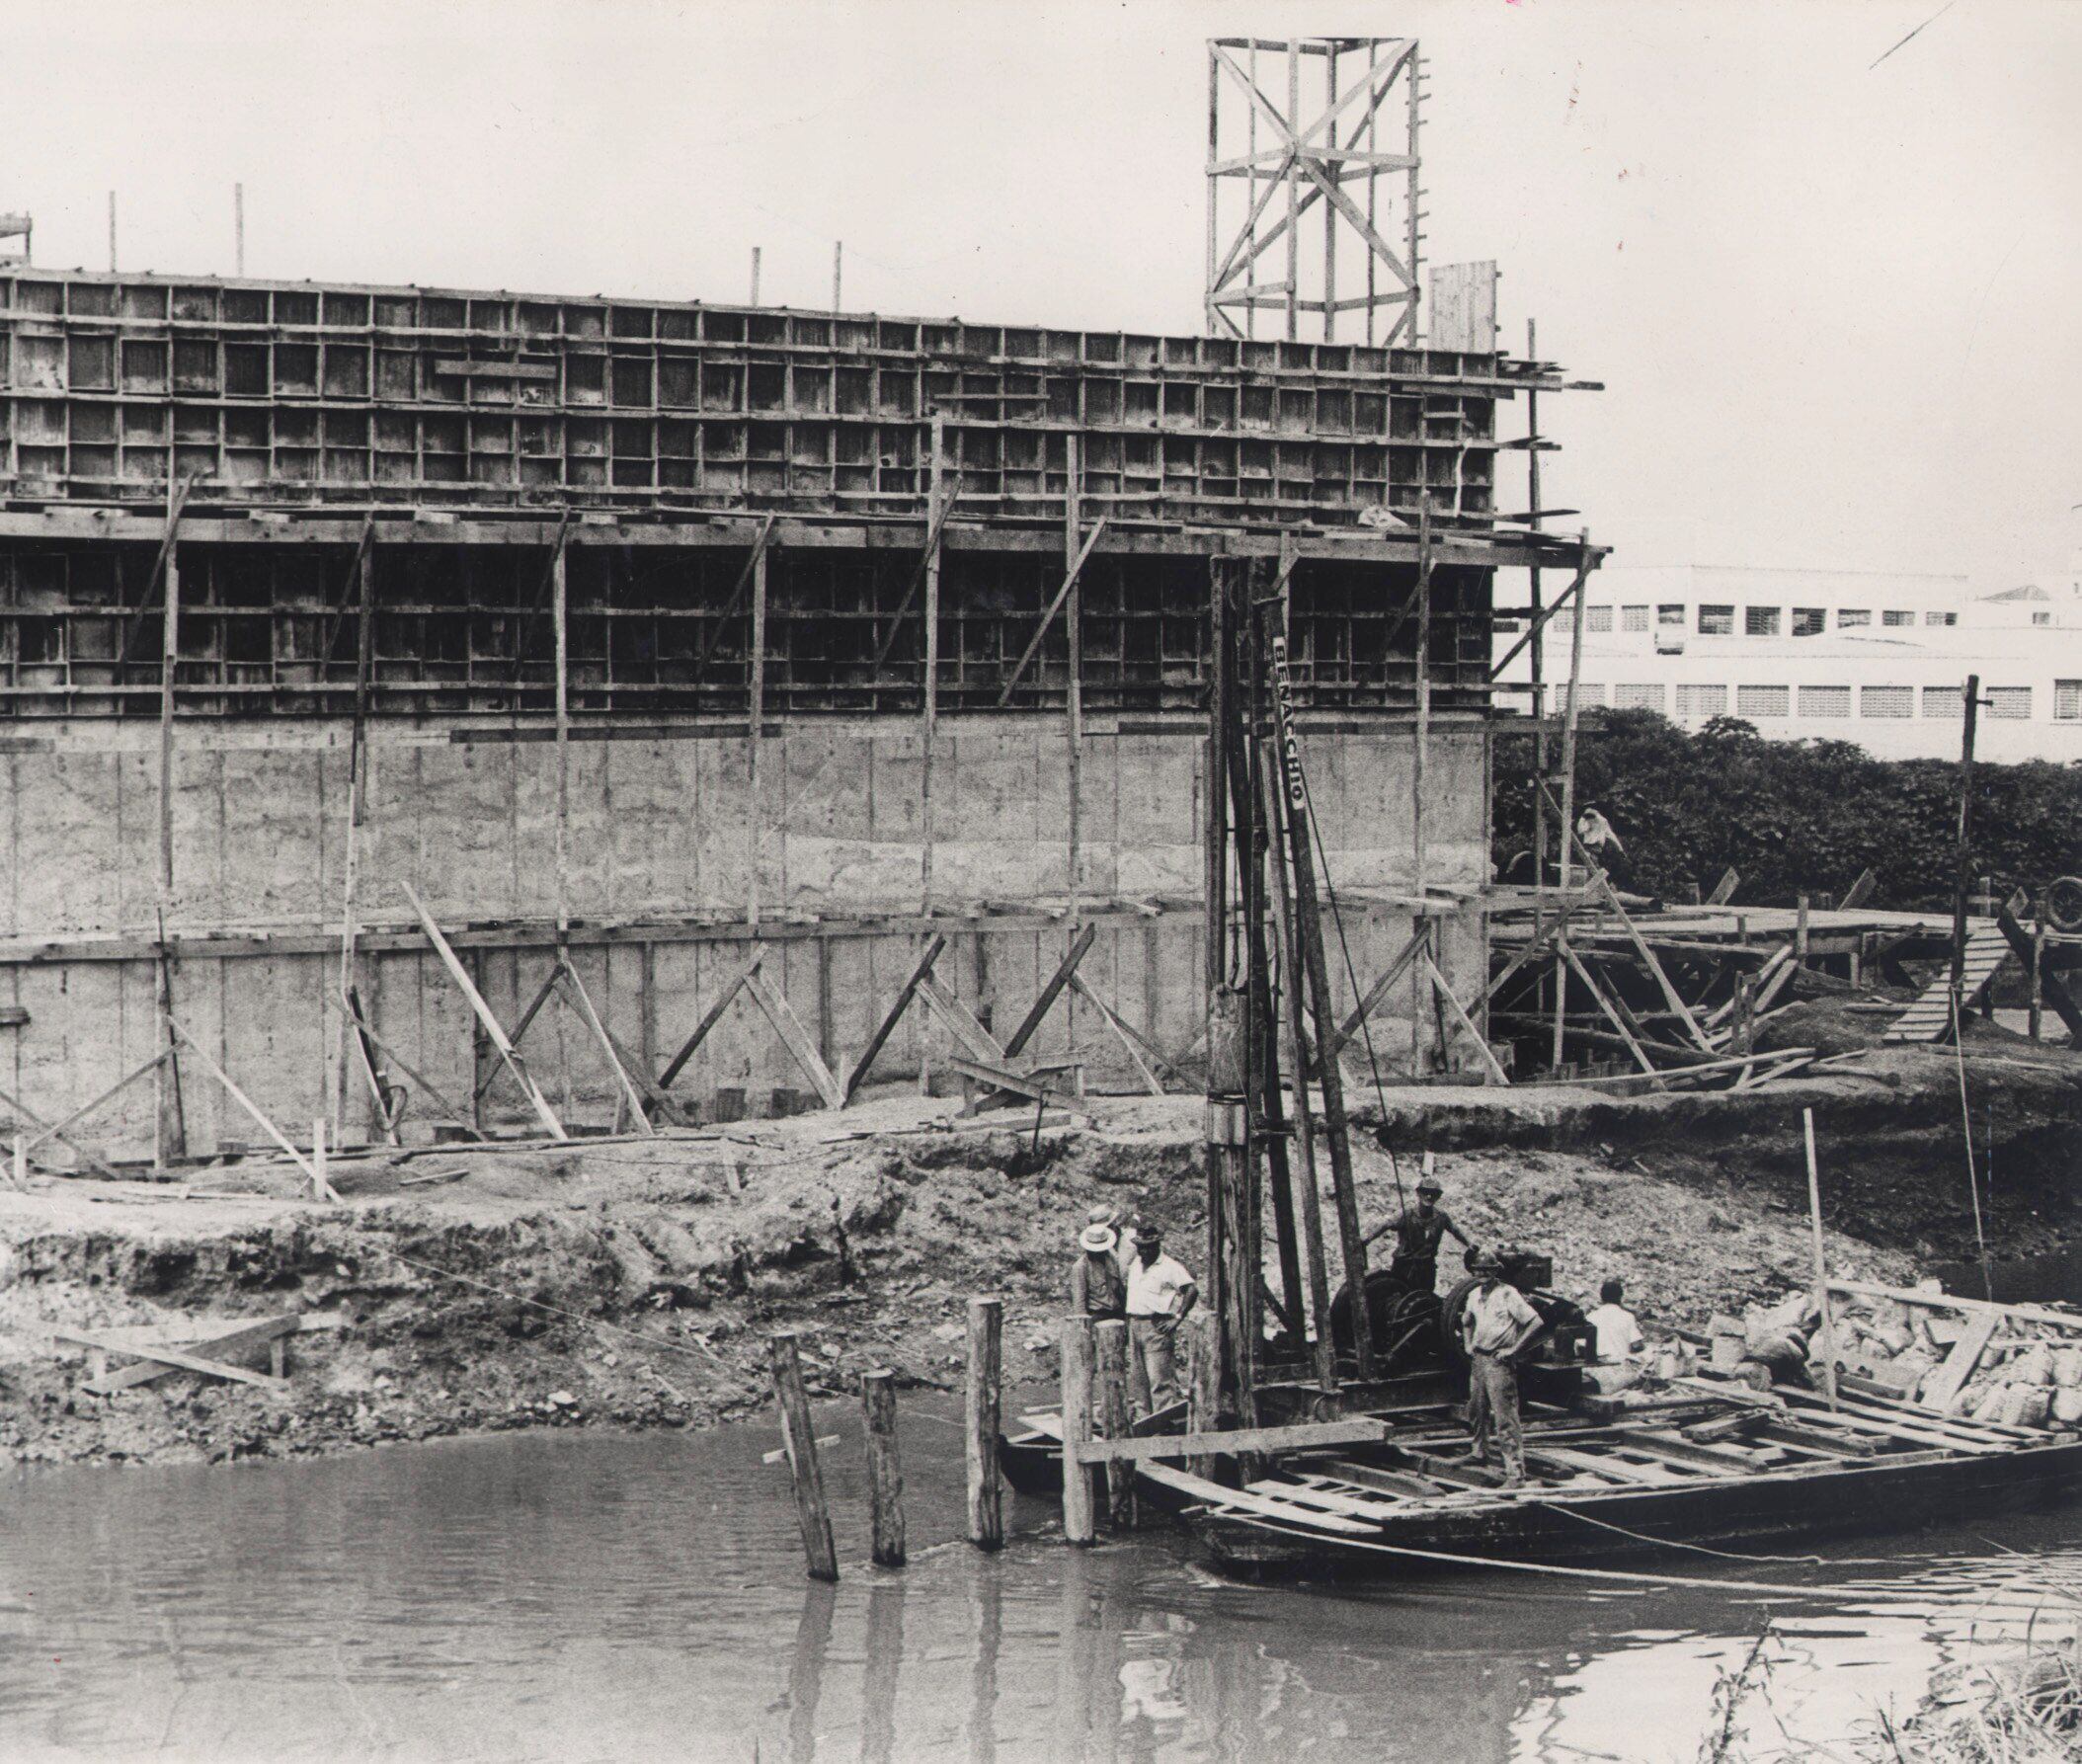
1495,1326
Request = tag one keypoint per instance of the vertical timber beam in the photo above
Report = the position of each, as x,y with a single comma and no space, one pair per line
1293,180
1073,623
929,714
1569,793
1419,752
170,1136
1214,798
756,735
560,613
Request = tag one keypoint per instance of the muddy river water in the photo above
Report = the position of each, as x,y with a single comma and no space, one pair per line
577,1596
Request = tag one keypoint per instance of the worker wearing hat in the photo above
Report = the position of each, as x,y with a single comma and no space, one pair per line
1418,1234
1097,1287
1159,1294
1496,1323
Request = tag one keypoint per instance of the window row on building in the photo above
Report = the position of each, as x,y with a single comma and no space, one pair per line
1699,701
1719,621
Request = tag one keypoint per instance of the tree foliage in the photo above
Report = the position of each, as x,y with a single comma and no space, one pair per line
1797,817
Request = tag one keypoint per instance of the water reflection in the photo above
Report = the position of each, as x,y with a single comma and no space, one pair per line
989,1608
576,1598
813,1640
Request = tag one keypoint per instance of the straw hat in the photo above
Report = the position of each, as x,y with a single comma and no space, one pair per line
1098,1239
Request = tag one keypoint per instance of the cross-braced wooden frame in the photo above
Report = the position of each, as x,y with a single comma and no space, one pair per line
1331,165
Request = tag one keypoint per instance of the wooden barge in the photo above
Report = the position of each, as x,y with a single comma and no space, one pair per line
1710,1464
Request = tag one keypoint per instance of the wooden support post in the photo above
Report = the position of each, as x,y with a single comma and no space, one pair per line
57,1132
1080,1525
1825,1323
885,1467
1074,628
980,1423
1316,968
1799,934
1213,814
938,508
1568,777
560,618
1110,1361
351,1043
799,1440
170,1138
1422,732
1963,879
1203,1382
2035,1022
1302,1170
18,1164
756,735
321,1190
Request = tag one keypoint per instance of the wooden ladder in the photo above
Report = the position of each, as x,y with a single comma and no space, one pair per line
1929,1019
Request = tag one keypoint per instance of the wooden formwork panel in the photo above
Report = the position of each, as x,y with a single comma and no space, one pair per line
116,386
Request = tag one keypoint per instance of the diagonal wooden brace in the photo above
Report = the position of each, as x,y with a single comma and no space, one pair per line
1045,1000
460,975
709,1020
630,1093
1612,1017
1126,1036
1033,643
796,1039
1371,1002
324,1188
417,1076
57,1132
1444,991
887,1026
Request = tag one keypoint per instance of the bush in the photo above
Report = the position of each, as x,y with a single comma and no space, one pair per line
1796,817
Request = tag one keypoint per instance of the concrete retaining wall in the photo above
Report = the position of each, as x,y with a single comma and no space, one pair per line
658,828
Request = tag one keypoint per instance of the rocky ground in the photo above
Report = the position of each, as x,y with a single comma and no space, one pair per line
635,1282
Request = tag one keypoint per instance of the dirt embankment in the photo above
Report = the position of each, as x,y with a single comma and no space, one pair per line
635,1282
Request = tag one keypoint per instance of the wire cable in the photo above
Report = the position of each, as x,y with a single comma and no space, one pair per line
1974,1187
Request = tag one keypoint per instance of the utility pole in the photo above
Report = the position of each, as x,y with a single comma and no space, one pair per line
1965,879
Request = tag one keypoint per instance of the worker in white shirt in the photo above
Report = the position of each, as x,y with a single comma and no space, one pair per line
1619,1334
1159,1294
1495,1327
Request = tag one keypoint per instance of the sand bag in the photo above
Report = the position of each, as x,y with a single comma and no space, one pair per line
2034,1366
1991,1406
2067,1406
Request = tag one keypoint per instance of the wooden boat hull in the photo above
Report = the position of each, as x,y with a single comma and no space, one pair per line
1564,1525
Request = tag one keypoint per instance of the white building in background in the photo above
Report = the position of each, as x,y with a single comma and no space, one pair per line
1843,654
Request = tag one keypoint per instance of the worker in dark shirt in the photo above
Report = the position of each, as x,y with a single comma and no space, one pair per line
1418,1234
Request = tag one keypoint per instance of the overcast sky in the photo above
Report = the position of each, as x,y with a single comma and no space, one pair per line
1835,304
